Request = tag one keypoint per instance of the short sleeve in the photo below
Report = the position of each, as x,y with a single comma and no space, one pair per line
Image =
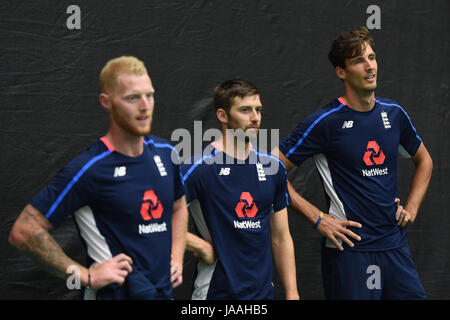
189,181
178,185
282,199
68,191
307,139
409,139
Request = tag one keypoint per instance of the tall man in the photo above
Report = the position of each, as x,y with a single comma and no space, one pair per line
354,141
237,197
126,197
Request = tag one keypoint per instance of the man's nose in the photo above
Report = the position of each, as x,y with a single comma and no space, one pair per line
254,115
370,64
145,103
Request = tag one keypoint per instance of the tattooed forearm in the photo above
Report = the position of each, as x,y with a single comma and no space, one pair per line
45,251
30,234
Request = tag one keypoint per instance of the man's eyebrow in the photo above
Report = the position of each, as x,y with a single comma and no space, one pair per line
258,106
132,93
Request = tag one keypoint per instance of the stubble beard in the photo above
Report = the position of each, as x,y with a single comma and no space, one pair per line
126,123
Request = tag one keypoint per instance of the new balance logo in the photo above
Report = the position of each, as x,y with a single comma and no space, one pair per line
120,171
347,124
386,123
160,165
224,171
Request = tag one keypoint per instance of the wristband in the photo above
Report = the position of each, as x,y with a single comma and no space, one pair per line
318,220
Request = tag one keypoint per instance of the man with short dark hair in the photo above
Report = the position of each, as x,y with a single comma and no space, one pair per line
354,141
238,204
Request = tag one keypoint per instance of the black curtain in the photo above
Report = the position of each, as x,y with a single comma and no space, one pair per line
49,110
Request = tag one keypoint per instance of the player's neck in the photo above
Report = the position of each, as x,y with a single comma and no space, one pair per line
234,147
359,101
124,143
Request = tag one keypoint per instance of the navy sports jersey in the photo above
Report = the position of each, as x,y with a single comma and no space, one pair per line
121,204
235,202
356,156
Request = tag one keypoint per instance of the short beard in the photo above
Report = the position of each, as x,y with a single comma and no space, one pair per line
124,125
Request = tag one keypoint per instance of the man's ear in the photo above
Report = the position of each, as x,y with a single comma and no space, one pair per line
340,72
222,116
105,101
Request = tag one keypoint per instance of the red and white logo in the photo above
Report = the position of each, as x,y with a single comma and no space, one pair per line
373,155
151,207
246,207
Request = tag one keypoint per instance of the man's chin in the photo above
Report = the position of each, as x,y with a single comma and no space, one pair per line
251,131
251,134
371,87
140,132
145,132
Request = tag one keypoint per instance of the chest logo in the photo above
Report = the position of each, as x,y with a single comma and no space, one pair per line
151,207
261,173
160,165
246,207
347,124
373,155
224,171
120,171
386,123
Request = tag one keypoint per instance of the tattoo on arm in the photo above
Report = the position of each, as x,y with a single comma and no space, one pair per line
40,244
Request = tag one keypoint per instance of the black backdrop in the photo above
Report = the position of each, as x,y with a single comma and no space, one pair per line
49,111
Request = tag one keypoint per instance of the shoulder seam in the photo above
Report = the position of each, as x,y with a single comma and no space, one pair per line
404,112
305,134
160,145
195,165
75,178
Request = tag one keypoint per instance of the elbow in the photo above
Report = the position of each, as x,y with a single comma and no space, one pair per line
27,226
428,162
16,237
281,241
431,165
20,236
275,241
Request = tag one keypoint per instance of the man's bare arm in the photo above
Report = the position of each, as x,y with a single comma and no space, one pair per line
283,253
179,229
330,227
30,234
201,248
419,185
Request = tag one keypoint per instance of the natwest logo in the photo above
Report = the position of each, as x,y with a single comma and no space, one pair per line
246,207
151,207
373,155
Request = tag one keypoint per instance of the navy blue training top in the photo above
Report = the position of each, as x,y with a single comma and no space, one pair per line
121,204
356,155
235,202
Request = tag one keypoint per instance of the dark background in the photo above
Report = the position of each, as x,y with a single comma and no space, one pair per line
49,110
